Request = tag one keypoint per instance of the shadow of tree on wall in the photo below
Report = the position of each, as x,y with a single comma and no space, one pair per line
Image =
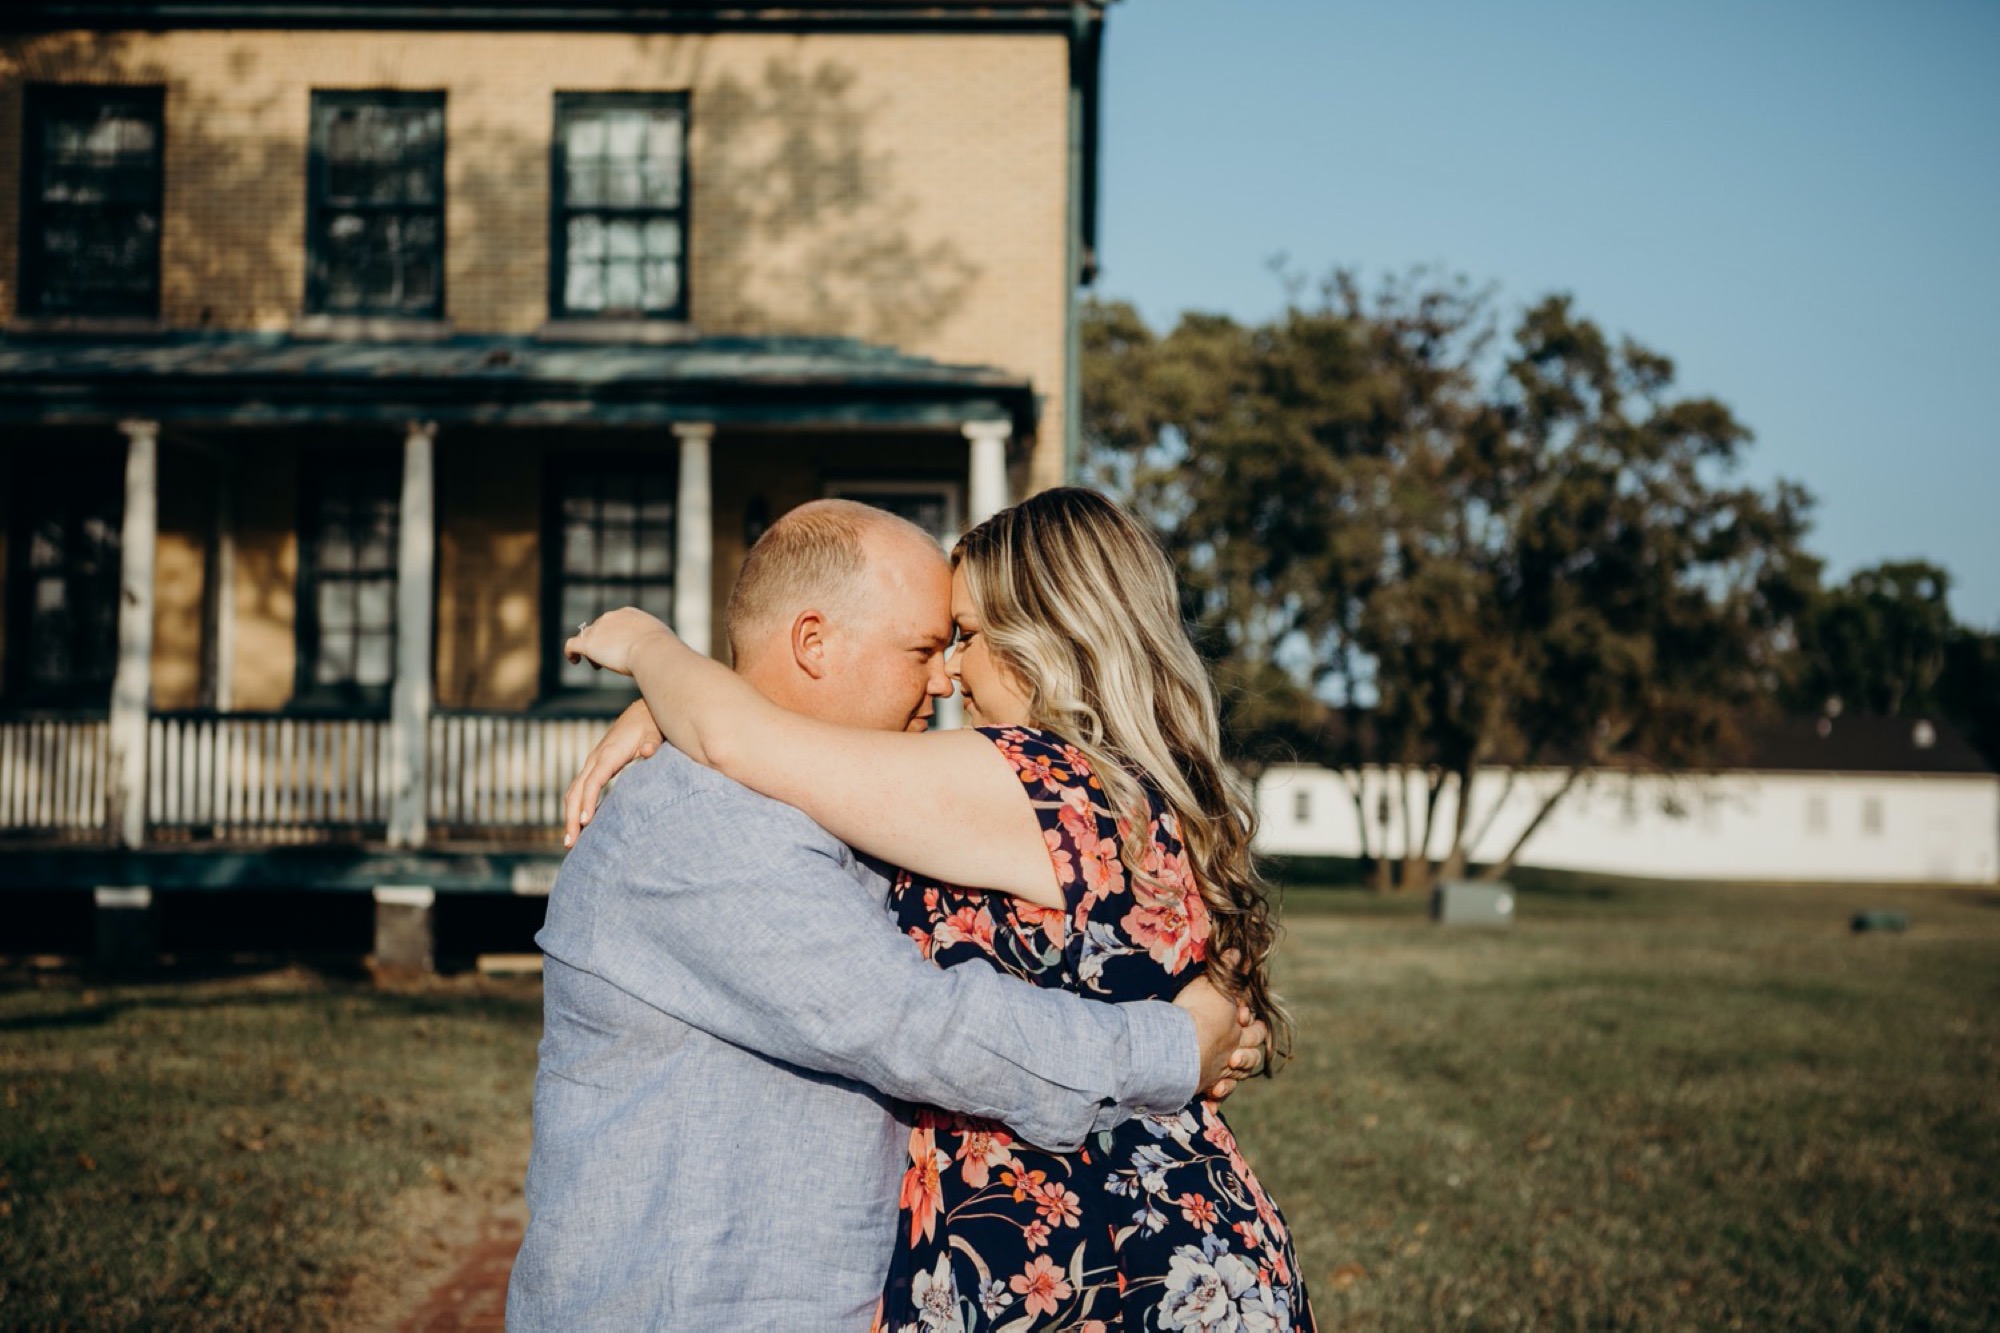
793,198
233,207
802,223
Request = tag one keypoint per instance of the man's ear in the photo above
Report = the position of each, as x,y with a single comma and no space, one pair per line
809,645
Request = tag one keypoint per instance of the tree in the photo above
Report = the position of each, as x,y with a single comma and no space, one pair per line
1885,642
1877,643
1407,553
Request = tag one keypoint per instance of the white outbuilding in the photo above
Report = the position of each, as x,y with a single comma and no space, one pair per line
1861,799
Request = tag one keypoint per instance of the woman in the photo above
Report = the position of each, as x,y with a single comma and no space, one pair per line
1111,851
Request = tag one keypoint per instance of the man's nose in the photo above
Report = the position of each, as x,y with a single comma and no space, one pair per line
940,683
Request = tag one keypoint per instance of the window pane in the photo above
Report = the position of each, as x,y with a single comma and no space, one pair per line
373,659
623,240
579,604
583,183
655,552
336,654
583,286
662,284
336,609
625,136
579,548
657,599
583,138
622,288
336,543
620,492
45,545
619,556
375,604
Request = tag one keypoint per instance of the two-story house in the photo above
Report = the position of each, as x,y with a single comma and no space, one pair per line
352,353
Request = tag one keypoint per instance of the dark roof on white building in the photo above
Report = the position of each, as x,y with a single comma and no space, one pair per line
1856,744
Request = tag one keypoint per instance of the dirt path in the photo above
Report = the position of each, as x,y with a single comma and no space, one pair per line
472,1298
458,1250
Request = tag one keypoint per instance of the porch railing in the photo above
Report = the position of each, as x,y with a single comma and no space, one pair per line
497,774
266,777
55,776
269,778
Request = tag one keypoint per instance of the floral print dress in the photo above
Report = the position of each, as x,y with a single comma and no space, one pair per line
1157,1223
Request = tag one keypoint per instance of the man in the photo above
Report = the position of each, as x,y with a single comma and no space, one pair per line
729,1009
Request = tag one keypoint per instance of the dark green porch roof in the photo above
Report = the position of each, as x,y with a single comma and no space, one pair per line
275,379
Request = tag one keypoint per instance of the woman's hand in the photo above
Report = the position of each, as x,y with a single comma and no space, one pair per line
610,640
633,736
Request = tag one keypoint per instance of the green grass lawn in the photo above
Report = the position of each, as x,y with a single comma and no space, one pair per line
1639,1106
249,1154
1642,1106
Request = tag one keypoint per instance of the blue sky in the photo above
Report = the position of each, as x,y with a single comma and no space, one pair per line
1798,202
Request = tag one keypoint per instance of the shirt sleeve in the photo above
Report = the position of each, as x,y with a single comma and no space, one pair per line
736,920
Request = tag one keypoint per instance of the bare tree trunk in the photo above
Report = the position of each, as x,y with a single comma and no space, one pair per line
1383,880
1357,791
1493,815
1417,858
1499,869
1455,860
1409,825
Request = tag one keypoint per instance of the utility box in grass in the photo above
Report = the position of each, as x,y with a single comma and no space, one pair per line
1464,902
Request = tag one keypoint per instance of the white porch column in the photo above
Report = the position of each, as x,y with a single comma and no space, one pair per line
694,539
410,696
132,682
986,486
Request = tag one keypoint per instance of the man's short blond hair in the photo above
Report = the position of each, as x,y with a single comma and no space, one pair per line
812,558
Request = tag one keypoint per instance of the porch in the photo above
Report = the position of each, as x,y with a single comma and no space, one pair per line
328,582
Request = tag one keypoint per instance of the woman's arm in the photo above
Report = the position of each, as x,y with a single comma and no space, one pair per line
947,806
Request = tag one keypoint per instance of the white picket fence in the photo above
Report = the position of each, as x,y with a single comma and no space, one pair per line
491,772
266,778
55,776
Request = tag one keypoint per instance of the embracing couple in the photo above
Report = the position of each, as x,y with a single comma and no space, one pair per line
791,1076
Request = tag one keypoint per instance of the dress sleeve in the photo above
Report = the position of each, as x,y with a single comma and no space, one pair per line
1129,933
1080,830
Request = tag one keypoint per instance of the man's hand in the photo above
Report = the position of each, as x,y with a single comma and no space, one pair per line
1232,1038
632,736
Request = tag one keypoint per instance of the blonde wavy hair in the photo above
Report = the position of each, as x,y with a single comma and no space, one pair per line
1077,599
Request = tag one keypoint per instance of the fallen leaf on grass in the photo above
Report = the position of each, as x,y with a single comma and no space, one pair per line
1347,1275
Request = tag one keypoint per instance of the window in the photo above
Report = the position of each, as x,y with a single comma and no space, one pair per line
1816,814
611,544
90,200
618,224
347,578
1871,814
931,505
1302,807
375,205
62,614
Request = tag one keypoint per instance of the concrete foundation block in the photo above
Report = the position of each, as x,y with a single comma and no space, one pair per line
405,930
127,930
1461,902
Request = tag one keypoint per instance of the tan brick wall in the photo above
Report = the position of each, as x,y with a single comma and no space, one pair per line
489,609
180,576
267,573
907,189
